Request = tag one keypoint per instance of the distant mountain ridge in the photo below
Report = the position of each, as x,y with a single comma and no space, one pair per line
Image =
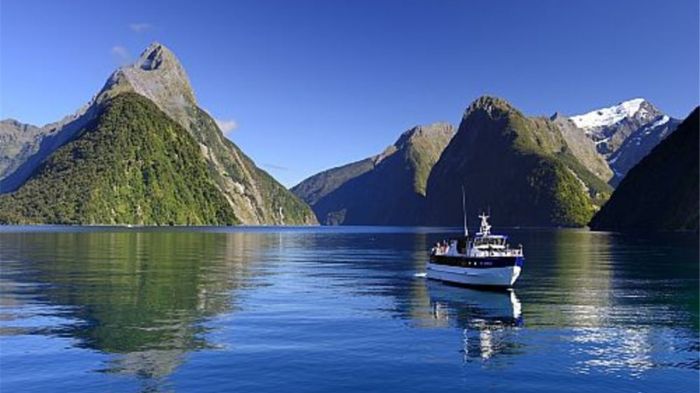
386,189
254,196
660,193
560,166
17,142
532,170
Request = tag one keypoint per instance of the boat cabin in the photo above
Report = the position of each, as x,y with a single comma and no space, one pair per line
484,244
492,241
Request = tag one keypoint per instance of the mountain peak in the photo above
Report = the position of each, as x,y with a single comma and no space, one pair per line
156,55
490,101
489,104
632,102
636,107
157,75
434,130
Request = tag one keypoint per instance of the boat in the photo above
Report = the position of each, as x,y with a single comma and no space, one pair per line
484,260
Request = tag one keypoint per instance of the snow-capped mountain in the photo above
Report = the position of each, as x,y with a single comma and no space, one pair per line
626,132
611,115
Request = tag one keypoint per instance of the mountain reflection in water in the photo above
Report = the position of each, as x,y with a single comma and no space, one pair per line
142,295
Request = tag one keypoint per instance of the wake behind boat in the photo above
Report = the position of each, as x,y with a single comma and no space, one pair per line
484,260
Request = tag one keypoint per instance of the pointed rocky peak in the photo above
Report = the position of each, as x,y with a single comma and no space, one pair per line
493,107
488,115
486,102
647,111
156,56
157,75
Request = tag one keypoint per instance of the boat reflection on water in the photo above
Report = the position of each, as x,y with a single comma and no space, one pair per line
490,320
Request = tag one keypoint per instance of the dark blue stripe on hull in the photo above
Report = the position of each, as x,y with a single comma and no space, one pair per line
477,262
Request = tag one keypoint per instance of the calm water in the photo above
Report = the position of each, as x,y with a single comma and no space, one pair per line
338,309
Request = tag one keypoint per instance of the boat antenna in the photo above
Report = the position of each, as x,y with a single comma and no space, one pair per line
464,213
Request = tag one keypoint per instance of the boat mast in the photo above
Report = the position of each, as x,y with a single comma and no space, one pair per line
464,213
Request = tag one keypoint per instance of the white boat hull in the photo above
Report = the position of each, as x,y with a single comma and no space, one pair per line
490,277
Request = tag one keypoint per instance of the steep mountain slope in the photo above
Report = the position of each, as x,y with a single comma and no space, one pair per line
387,189
661,191
254,196
582,147
625,133
520,167
314,188
639,144
130,165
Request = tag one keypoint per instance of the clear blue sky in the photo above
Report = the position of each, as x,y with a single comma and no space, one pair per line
315,84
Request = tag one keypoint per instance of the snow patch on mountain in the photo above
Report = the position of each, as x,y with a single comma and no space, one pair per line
663,120
609,116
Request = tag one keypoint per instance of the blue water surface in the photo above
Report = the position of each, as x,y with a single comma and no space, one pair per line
340,310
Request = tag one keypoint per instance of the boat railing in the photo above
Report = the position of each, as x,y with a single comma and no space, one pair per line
506,252
480,253
499,253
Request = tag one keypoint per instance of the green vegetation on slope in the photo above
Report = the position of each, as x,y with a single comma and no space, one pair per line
558,191
660,193
519,167
598,190
131,165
